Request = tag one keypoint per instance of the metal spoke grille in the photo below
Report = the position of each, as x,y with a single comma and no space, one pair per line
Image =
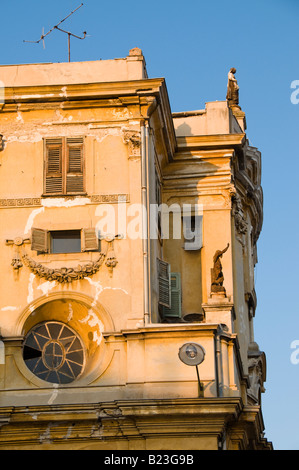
54,353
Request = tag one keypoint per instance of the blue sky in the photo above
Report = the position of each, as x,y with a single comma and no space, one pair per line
193,44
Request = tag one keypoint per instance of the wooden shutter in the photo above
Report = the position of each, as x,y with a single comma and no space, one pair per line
164,283
53,166
39,240
193,234
176,297
74,165
90,241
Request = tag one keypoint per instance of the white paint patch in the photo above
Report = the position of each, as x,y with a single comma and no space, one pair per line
2,353
92,318
25,97
100,289
68,433
31,218
70,312
54,394
19,117
61,202
47,286
64,92
30,296
5,309
46,436
93,321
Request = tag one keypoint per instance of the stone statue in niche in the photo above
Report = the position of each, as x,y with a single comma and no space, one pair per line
232,95
217,277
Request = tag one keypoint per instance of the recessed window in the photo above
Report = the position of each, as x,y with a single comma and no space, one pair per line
54,353
66,241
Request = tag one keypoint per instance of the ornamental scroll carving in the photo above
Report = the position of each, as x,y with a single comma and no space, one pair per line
133,139
240,221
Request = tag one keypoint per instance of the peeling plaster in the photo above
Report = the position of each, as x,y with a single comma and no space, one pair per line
93,320
61,202
47,286
4,309
2,353
100,289
96,431
31,218
69,432
19,117
70,312
30,296
46,436
54,394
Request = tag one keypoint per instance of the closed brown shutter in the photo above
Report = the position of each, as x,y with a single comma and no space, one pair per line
39,240
53,166
74,165
164,281
90,241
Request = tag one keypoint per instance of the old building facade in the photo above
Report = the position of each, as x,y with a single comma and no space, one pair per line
128,246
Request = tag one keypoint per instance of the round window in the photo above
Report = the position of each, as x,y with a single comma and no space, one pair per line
54,352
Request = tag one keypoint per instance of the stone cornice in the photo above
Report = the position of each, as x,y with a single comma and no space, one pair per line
93,91
130,419
213,141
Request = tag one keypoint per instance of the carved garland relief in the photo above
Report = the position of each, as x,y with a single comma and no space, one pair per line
64,274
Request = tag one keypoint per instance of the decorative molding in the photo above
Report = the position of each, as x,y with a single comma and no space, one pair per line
109,198
133,139
20,202
65,274
94,199
238,213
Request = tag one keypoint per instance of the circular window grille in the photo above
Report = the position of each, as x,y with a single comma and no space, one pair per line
54,352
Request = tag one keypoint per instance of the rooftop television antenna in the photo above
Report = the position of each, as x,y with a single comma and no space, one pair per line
42,38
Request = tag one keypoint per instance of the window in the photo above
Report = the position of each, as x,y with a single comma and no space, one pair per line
54,352
64,165
64,241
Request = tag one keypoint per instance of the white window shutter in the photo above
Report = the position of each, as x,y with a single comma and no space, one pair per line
192,232
164,283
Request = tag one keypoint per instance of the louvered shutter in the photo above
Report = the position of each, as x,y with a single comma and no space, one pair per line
90,241
164,283
176,298
74,165
192,232
53,166
39,240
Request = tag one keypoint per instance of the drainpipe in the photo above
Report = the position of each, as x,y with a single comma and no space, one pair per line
153,104
144,202
217,362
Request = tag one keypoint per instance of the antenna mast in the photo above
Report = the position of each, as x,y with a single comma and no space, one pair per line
42,38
